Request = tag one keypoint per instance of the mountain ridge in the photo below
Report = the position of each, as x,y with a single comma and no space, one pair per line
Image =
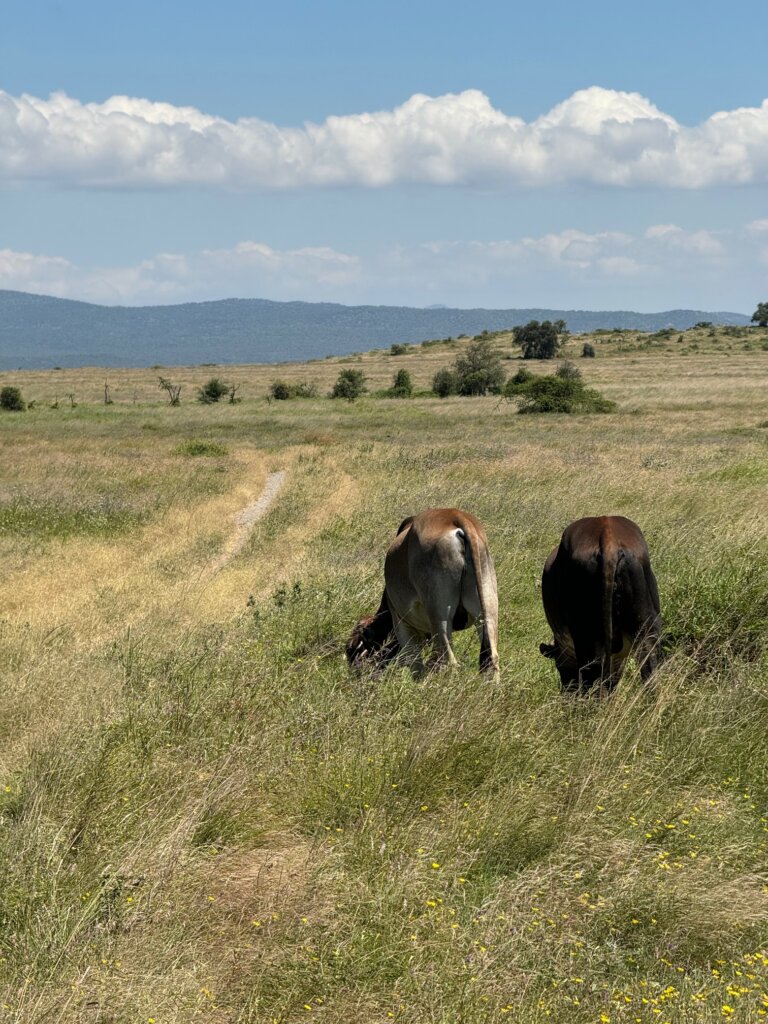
40,331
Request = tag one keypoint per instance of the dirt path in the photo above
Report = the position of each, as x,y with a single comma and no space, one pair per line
246,519
295,539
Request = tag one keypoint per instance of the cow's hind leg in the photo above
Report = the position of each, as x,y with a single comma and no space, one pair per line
441,631
443,652
647,651
410,643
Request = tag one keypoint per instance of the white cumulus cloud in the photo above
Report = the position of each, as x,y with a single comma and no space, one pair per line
600,136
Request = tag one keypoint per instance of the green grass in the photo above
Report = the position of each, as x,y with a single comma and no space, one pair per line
195,448
205,817
102,517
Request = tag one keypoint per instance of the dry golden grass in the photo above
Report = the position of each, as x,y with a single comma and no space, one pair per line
697,356
204,818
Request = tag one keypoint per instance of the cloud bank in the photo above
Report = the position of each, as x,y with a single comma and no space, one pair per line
597,136
249,269
667,264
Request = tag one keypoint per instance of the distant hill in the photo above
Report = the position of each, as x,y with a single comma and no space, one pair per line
38,331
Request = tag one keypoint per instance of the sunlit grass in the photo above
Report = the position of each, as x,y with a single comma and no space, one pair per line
204,817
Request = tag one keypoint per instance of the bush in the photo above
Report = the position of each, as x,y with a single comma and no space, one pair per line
540,340
350,384
402,386
398,350
11,400
568,371
283,390
213,391
445,383
518,382
563,392
479,370
587,351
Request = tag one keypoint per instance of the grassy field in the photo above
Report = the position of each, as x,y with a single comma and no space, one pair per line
205,817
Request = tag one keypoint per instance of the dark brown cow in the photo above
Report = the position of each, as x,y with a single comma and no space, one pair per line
438,577
601,600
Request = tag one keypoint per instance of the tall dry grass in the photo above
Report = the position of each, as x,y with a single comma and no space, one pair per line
203,817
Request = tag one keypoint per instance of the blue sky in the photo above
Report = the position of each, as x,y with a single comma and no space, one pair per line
564,155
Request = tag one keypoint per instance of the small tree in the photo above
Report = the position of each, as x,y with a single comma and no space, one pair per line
540,340
350,384
11,400
173,390
212,391
760,316
445,383
588,351
233,389
479,370
398,349
402,386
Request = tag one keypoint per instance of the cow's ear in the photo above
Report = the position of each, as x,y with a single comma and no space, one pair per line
548,650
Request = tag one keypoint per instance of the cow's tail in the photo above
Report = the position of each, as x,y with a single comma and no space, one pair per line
610,564
478,557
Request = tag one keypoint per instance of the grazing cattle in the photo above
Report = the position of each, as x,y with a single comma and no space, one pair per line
438,577
601,600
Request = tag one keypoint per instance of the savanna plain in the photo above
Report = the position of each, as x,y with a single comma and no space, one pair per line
204,816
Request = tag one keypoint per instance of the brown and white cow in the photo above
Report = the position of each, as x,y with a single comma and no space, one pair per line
438,577
601,600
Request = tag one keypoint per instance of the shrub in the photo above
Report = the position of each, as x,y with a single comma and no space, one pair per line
563,392
518,382
11,400
568,371
587,351
212,391
479,370
283,390
402,386
350,384
445,383
540,340
398,350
